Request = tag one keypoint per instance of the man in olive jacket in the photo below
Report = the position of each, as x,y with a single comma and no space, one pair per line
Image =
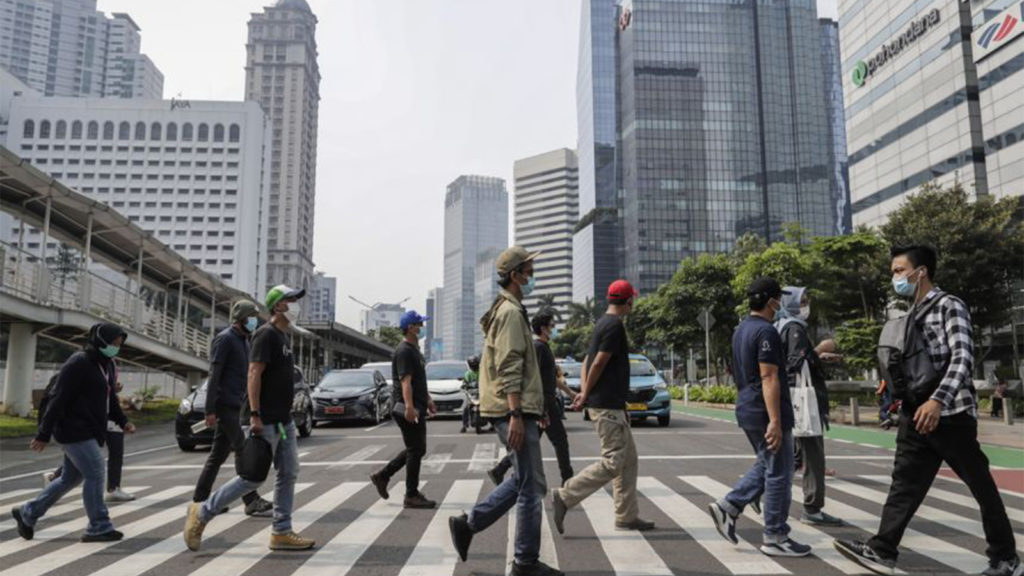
512,398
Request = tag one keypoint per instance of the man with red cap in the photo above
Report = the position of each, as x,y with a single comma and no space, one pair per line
604,391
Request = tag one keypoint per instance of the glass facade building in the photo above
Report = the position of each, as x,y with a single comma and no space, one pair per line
839,165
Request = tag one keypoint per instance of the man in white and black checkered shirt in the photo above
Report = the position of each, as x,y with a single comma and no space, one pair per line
942,429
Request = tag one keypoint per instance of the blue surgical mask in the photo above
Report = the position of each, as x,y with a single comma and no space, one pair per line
529,286
903,286
110,351
554,333
778,312
251,323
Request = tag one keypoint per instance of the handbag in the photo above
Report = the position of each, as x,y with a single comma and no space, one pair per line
253,462
806,417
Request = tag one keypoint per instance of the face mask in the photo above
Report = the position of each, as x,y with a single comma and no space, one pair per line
554,333
250,324
110,351
805,312
529,286
292,314
778,311
903,286
422,333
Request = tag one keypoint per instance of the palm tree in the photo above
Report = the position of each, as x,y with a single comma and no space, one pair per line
546,303
584,314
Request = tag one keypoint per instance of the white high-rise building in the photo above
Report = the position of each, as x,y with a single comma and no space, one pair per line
380,316
322,298
68,48
546,211
190,173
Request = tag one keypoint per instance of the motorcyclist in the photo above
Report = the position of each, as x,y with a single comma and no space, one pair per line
470,381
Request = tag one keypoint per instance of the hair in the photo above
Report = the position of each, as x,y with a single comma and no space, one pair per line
505,280
618,301
919,255
757,302
542,319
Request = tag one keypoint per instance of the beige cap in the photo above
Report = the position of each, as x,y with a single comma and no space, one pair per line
514,257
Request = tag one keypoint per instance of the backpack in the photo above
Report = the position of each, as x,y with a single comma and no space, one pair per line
48,393
903,356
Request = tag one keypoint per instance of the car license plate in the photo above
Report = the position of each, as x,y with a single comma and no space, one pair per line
634,406
334,410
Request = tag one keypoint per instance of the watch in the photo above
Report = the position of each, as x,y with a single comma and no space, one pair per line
517,413
256,413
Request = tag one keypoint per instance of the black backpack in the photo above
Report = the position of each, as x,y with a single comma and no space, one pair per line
903,356
48,393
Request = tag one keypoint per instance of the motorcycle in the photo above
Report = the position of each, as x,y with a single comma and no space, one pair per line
472,394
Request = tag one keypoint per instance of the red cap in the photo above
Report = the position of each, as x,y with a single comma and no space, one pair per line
621,290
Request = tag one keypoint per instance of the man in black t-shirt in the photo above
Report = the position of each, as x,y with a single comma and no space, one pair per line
412,406
604,390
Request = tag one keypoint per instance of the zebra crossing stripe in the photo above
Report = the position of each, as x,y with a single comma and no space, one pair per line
951,497
340,554
435,463
18,493
65,528
247,553
484,457
548,555
944,517
434,554
360,455
627,551
820,542
73,503
743,559
944,552
168,548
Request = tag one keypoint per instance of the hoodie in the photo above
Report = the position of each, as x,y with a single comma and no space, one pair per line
509,361
798,348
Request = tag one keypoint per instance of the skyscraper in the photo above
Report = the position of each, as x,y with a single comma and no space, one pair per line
322,298
839,166
546,211
475,221
68,48
281,73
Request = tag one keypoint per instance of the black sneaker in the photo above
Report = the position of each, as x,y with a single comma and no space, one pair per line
419,501
559,510
1005,568
259,508
724,523
112,536
787,548
637,524
864,555
756,506
461,534
24,530
496,477
380,483
537,569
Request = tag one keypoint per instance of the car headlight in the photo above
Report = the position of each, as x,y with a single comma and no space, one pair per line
185,407
662,386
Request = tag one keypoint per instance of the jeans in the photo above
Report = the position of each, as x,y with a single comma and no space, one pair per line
559,440
772,475
414,435
618,464
286,464
525,489
227,437
83,462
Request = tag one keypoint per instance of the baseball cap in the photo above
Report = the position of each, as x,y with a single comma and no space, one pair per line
282,292
621,290
512,258
411,317
242,309
766,287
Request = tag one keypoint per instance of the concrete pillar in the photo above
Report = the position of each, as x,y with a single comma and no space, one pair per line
21,365
1008,411
195,380
854,412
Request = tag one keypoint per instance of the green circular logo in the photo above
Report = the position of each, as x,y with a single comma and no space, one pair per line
860,73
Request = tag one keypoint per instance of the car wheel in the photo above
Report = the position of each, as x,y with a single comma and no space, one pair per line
307,427
663,421
186,446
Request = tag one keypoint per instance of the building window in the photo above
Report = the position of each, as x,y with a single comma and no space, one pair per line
62,130
140,130
203,133
172,132
186,132
154,131
93,131
218,133
76,130
108,130
28,129
124,131
44,129
234,133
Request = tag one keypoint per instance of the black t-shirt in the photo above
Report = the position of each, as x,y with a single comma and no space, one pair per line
612,387
277,390
409,360
755,342
546,361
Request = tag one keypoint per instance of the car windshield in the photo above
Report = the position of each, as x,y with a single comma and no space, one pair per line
571,370
355,379
641,367
447,371
384,367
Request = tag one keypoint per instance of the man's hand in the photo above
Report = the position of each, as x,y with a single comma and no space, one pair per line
411,415
516,433
129,428
211,420
830,357
37,445
256,424
926,418
544,422
431,408
578,401
773,436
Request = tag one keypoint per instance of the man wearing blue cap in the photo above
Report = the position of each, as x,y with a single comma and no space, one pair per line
409,373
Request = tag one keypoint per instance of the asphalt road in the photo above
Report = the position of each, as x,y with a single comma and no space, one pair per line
682,468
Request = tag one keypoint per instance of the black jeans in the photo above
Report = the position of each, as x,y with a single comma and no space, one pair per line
414,435
558,437
918,458
227,437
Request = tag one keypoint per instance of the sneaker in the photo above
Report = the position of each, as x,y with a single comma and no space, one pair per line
380,483
756,506
290,541
788,547
495,476
259,508
820,519
48,478
462,535
118,495
1005,568
559,510
112,536
418,501
193,527
536,569
864,555
24,530
724,523
462,430
637,524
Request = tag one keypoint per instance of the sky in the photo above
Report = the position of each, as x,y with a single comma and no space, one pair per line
413,94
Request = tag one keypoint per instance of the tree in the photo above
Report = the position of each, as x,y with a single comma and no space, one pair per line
546,303
788,262
858,341
389,335
584,314
852,279
573,341
65,264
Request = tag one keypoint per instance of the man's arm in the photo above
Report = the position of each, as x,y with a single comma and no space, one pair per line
595,371
254,385
771,389
956,323
213,384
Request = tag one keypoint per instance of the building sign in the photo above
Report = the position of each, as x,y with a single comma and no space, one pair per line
177,104
998,32
864,70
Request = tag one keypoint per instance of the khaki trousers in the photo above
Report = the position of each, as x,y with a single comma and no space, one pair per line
618,464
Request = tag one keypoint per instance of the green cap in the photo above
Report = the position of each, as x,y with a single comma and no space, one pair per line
243,309
282,292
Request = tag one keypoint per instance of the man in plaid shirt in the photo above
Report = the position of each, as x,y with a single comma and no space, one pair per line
943,429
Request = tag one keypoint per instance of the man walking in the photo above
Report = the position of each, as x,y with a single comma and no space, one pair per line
938,422
271,388
765,413
512,397
225,390
409,373
604,391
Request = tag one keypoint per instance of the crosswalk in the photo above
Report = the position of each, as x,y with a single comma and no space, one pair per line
358,533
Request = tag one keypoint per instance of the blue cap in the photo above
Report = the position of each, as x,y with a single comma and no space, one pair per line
411,317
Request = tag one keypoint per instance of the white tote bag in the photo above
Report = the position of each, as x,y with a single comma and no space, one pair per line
806,418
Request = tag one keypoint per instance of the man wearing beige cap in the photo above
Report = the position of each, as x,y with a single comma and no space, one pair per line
512,398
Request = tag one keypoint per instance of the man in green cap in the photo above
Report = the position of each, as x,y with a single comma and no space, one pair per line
271,388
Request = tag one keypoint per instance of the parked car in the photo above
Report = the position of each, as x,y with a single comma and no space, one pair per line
191,411
361,394
648,392
444,382
571,369
383,367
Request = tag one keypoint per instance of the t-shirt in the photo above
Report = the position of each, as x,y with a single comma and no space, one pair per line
409,360
546,361
277,389
755,342
612,387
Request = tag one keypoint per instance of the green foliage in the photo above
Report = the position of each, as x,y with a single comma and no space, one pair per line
573,341
790,264
857,340
581,315
718,394
389,335
852,280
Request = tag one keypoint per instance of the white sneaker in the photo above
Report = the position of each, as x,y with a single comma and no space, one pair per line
118,495
48,478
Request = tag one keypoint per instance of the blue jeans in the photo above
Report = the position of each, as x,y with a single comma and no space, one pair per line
771,474
525,489
286,463
83,461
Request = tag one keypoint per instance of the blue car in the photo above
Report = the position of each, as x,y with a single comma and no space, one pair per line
648,392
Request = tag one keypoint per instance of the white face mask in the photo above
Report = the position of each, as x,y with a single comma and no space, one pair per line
293,312
805,312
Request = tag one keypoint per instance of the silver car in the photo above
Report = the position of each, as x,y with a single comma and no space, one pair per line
444,382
